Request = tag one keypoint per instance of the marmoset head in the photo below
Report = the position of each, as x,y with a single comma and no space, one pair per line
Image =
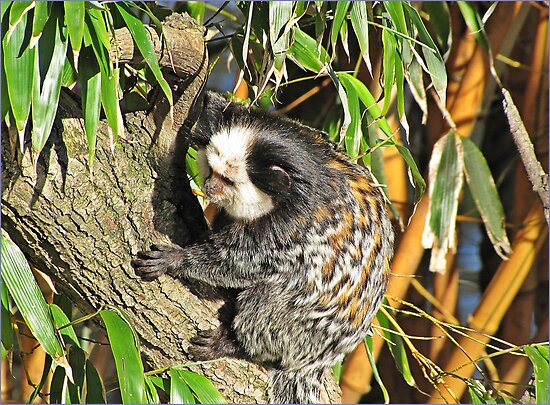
252,163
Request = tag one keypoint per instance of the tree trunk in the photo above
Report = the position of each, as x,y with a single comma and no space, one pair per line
83,225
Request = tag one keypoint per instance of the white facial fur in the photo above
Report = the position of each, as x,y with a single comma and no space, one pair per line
225,156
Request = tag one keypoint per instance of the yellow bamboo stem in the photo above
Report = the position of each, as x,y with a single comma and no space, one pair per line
495,301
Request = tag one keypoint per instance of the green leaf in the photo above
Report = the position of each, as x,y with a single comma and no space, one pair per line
359,17
192,166
151,392
354,134
48,70
26,294
339,17
95,390
440,20
478,393
485,194
109,100
18,14
376,375
7,328
75,23
446,167
367,99
434,61
538,354
204,390
5,97
60,319
474,23
142,39
18,63
179,390
90,84
41,15
397,348
125,349
416,178
305,54
388,63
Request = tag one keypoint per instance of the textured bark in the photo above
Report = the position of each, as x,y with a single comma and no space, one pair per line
83,226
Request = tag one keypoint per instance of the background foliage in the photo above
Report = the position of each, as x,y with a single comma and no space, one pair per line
391,83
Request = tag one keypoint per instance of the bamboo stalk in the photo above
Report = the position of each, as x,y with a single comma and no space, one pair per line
495,302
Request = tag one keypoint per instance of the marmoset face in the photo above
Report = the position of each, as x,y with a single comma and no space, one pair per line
224,170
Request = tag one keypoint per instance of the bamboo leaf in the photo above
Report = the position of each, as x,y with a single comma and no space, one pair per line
434,61
94,392
280,14
60,319
375,373
485,194
41,15
7,328
90,84
151,392
354,134
109,100
416,178
5,97
75,24
359,17
367,99
204,390
125,349
396,347
538,354
388,63
305,54
446,168
474,22
145,46
18,14
440,20
339,17
18,63
26,294
48,69
179,390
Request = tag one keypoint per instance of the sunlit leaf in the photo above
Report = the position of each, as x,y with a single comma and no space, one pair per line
18,63
125,349
388,64
446,168
359,17
50,59
142,39
339,17
538,354
26,294
201,386
41,14
304,53
474,22
75,24
18,14
179,390
434,61
111,106
90,85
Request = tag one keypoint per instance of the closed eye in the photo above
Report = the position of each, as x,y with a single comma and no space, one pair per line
226,180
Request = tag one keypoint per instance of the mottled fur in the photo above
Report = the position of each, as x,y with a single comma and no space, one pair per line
310,267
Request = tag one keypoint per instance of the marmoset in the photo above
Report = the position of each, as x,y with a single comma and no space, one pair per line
302,236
